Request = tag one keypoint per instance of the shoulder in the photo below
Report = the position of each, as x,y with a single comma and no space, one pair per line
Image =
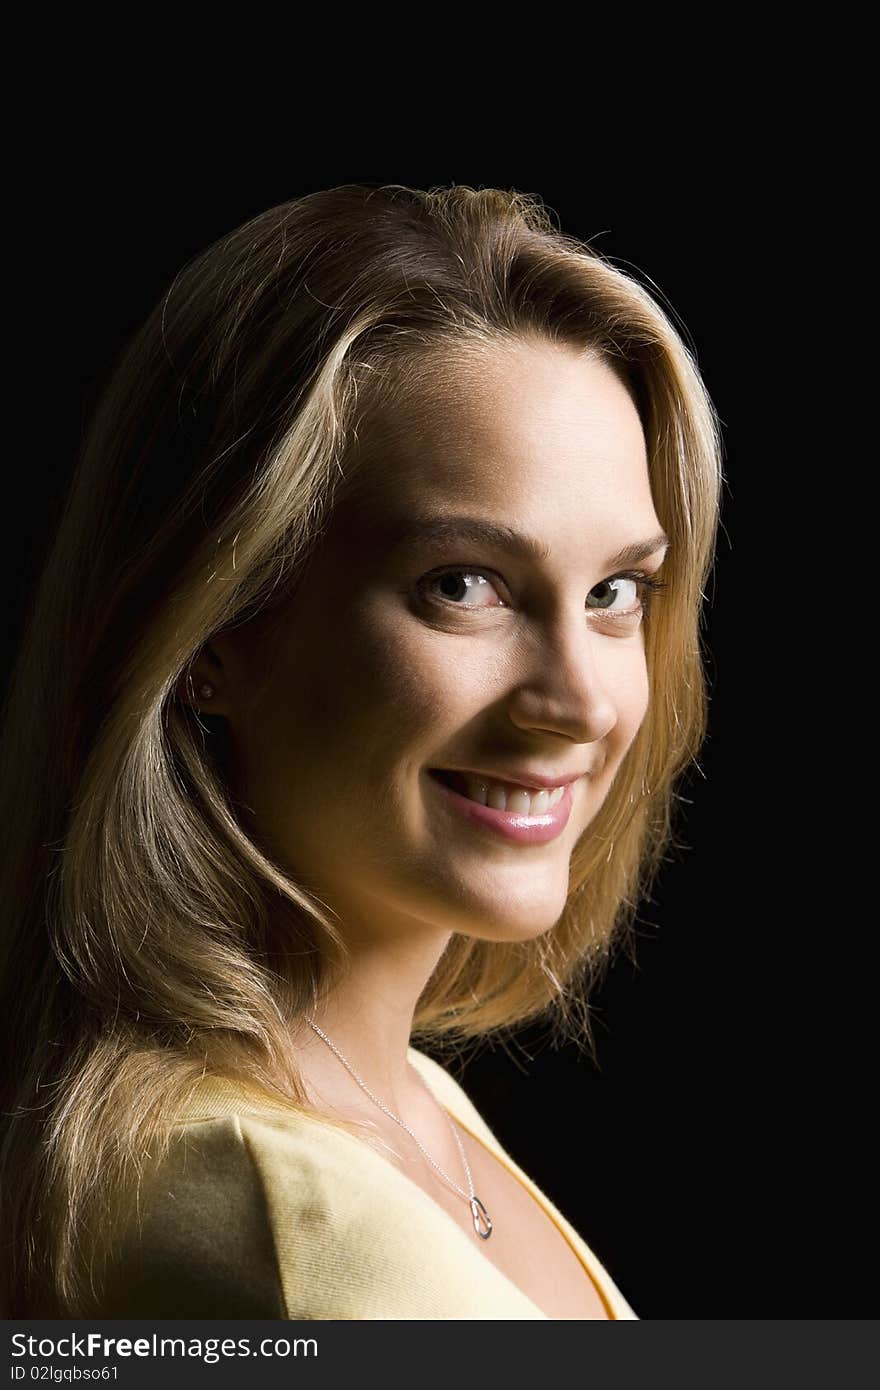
261,1211
212,1228
198,1241
258,1210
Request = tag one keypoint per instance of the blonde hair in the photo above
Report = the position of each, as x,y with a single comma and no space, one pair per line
146,937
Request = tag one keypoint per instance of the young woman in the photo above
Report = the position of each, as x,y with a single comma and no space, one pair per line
348,717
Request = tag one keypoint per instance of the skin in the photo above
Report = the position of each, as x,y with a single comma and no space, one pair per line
363,684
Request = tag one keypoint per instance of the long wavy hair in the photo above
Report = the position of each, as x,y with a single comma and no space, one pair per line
146,937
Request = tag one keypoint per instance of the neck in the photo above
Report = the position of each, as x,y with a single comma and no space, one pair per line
369,1018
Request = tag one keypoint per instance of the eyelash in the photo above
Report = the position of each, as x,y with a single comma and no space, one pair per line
649,584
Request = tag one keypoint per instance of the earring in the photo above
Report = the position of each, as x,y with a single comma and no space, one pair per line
206,691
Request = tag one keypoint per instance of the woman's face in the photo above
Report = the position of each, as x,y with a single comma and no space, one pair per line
407,648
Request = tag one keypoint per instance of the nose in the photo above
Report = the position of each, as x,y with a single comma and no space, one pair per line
564,691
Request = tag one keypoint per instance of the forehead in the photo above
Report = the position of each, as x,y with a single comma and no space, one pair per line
524,430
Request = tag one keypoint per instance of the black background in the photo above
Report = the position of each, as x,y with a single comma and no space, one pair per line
714,1160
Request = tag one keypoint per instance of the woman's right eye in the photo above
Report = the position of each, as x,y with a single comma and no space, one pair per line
451,585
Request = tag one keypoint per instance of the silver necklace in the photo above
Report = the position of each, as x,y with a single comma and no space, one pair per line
481,1218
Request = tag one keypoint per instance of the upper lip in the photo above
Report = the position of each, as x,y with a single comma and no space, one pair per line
535,780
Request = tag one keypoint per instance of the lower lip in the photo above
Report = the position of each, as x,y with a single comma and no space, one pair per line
511,825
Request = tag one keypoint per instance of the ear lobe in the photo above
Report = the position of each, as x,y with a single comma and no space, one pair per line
197,691
204,683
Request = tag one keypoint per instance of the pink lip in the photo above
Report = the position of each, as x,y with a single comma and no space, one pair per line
512,825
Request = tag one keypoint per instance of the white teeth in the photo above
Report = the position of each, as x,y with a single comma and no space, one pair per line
516,799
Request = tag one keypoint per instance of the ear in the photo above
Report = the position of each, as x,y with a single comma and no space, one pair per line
201,685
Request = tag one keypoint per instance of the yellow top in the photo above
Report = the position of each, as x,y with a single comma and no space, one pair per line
263,1212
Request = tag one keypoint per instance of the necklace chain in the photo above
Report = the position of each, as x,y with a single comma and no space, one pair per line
482,1222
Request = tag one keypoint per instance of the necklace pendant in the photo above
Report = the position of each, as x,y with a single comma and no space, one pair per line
480,1215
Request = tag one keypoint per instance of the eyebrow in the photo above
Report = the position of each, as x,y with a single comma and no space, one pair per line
473,529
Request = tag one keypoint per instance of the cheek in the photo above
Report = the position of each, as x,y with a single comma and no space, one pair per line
413,692
630,691
366,694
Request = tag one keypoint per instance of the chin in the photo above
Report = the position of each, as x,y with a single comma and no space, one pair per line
489,904
515,923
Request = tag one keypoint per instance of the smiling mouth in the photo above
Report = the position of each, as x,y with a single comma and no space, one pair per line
499,796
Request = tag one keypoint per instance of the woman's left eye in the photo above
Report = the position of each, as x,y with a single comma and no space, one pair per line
643,584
